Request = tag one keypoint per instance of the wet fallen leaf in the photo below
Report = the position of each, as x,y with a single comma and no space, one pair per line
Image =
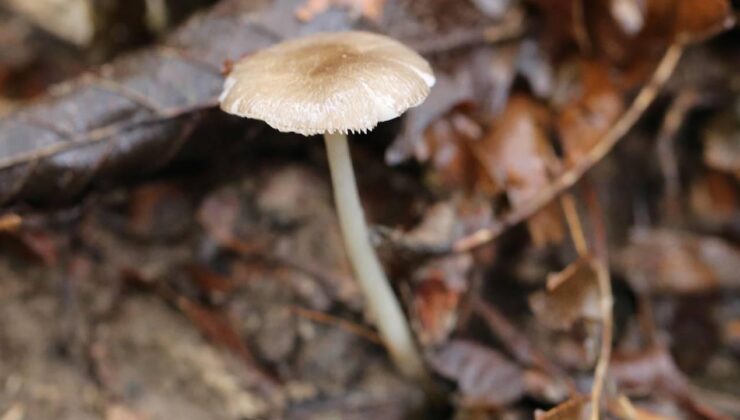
484,377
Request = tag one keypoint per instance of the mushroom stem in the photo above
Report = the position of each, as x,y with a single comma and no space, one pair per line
383,305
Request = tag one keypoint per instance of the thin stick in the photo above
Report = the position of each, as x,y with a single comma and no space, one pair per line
602,366
574,224
568,178
348,326
667,159
606,301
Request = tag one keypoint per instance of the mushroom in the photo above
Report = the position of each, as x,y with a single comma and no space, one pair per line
334,84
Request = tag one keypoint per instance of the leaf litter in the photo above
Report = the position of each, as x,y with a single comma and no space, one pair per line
224,273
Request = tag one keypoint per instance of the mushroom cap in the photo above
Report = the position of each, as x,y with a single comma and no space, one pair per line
336,82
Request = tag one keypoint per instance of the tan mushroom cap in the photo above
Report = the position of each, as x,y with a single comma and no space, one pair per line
337,82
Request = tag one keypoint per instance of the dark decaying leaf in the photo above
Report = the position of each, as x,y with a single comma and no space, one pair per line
483,376
667,261
574,297
134,114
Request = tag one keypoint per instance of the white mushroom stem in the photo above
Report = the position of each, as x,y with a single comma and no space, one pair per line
383,305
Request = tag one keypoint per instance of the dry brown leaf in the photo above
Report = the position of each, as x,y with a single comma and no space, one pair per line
722,143
714,200
484,377
576,408
699,19
438,287
448,143
586,117
624,31
666,261
517,156
575,296
624,409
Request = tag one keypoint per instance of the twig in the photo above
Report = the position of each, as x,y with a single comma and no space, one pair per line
606,300
349,326
580,33
574,224
666,154
568,178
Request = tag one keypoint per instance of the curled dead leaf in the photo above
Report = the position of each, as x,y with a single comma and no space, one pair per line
572,296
